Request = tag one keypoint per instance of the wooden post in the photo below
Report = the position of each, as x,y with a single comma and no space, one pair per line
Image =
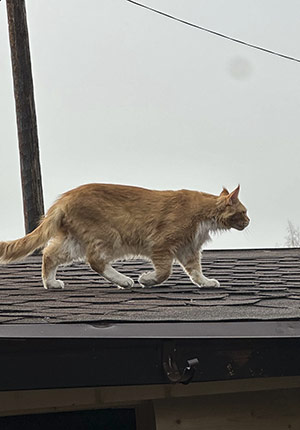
25,111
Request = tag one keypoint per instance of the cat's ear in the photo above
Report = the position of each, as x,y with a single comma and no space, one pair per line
233,196
224,192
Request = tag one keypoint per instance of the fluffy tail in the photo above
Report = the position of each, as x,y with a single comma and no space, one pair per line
20,248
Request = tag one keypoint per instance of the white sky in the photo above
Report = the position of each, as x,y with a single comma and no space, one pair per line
126,96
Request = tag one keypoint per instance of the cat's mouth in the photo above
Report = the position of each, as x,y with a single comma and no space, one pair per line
242,225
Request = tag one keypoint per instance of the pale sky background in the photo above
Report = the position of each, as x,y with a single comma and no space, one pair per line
126,96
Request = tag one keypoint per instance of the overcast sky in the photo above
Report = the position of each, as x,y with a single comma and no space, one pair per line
127,96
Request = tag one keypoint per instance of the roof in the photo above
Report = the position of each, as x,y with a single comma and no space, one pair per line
93,334
256,285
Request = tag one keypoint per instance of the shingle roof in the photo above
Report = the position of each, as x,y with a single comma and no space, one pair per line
255,285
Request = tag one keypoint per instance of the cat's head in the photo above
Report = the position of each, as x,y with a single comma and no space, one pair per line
233,213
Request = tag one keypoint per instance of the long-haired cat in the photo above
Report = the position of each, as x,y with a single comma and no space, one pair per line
101,223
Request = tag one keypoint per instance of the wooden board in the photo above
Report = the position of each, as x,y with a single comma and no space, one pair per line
270,410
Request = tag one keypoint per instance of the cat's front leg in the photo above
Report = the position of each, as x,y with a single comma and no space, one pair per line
202,281
191,263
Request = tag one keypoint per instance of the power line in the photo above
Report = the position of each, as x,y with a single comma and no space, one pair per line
216,33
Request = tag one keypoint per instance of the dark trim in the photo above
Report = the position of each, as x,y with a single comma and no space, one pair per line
163,330
90,356
27,364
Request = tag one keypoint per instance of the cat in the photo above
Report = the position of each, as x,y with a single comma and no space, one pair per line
101,223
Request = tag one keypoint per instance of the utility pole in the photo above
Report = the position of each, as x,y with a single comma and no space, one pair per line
33,202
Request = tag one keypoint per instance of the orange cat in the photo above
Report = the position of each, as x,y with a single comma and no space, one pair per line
100,223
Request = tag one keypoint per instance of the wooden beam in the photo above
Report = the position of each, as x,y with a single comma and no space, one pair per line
141,397
33,203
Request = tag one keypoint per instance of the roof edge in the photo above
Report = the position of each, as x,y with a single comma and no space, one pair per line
154,330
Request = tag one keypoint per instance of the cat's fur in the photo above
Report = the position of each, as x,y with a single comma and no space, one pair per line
101,223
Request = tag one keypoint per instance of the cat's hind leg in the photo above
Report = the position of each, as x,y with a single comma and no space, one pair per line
162,263
104,268
54,254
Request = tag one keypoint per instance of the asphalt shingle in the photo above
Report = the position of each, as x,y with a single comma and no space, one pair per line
255,285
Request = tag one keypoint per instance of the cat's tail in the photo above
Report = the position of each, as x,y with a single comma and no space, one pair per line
20,248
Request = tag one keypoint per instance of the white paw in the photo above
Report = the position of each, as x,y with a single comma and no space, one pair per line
205,282
54,285
126,283
148,279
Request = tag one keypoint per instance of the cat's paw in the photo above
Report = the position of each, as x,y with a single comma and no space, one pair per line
54,285
126,283
148,279
211,283
205,282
